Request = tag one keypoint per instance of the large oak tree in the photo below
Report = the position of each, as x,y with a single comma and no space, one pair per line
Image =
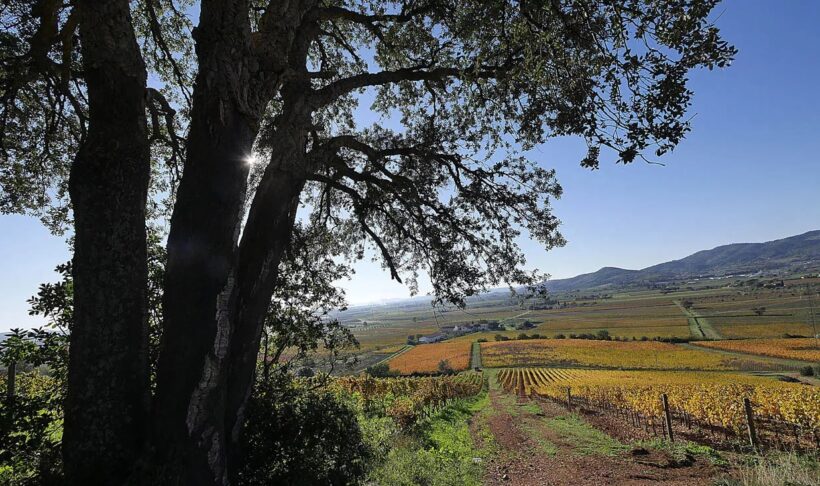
267,146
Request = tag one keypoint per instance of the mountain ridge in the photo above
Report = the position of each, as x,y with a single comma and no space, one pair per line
793,253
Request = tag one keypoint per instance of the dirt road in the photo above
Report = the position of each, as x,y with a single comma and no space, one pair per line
542,444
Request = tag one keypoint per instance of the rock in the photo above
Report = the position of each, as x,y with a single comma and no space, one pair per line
476,460
505,477
639,451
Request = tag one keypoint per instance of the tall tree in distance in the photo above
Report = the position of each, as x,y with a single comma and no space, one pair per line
275,149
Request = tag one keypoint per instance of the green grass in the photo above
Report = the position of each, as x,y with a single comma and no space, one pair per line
681,449
534,429
584,438
440,450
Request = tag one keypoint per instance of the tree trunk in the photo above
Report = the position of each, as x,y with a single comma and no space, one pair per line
107,404
202,242
266,238
211,282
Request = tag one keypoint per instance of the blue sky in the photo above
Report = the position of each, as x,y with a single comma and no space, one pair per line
748,172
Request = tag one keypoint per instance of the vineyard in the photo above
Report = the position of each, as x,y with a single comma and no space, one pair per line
785,414
425,358
805,349
604,354
407,399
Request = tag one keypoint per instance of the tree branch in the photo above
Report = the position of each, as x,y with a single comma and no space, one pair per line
333,91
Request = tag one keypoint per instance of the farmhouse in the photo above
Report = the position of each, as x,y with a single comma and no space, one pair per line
432,338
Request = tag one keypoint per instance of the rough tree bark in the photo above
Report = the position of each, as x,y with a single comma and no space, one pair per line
107,404
204,231
264,243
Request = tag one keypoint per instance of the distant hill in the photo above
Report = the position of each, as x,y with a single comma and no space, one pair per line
796,253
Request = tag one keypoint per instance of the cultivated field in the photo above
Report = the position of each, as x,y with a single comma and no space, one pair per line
800,349
730,311
603,354
709,398
425,358
629,317
733,312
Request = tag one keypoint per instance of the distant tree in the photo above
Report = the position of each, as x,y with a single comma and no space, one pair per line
411,339
603,334
380,370
759,310
687,304
523,336
525,325
560,336
445,368
305,372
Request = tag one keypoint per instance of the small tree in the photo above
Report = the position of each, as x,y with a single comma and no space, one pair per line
759,310
603,335
305,372
444,367
379,370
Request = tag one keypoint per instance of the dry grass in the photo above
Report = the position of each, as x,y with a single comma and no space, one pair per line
776,470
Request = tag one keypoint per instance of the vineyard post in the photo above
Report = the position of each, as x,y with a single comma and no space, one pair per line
569,398
12,372
747,405
668,416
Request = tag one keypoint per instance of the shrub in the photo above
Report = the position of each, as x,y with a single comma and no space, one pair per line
305,372
380,370
30,425
560,336
807,371
297,435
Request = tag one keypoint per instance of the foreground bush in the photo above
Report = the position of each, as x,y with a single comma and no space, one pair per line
298,435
